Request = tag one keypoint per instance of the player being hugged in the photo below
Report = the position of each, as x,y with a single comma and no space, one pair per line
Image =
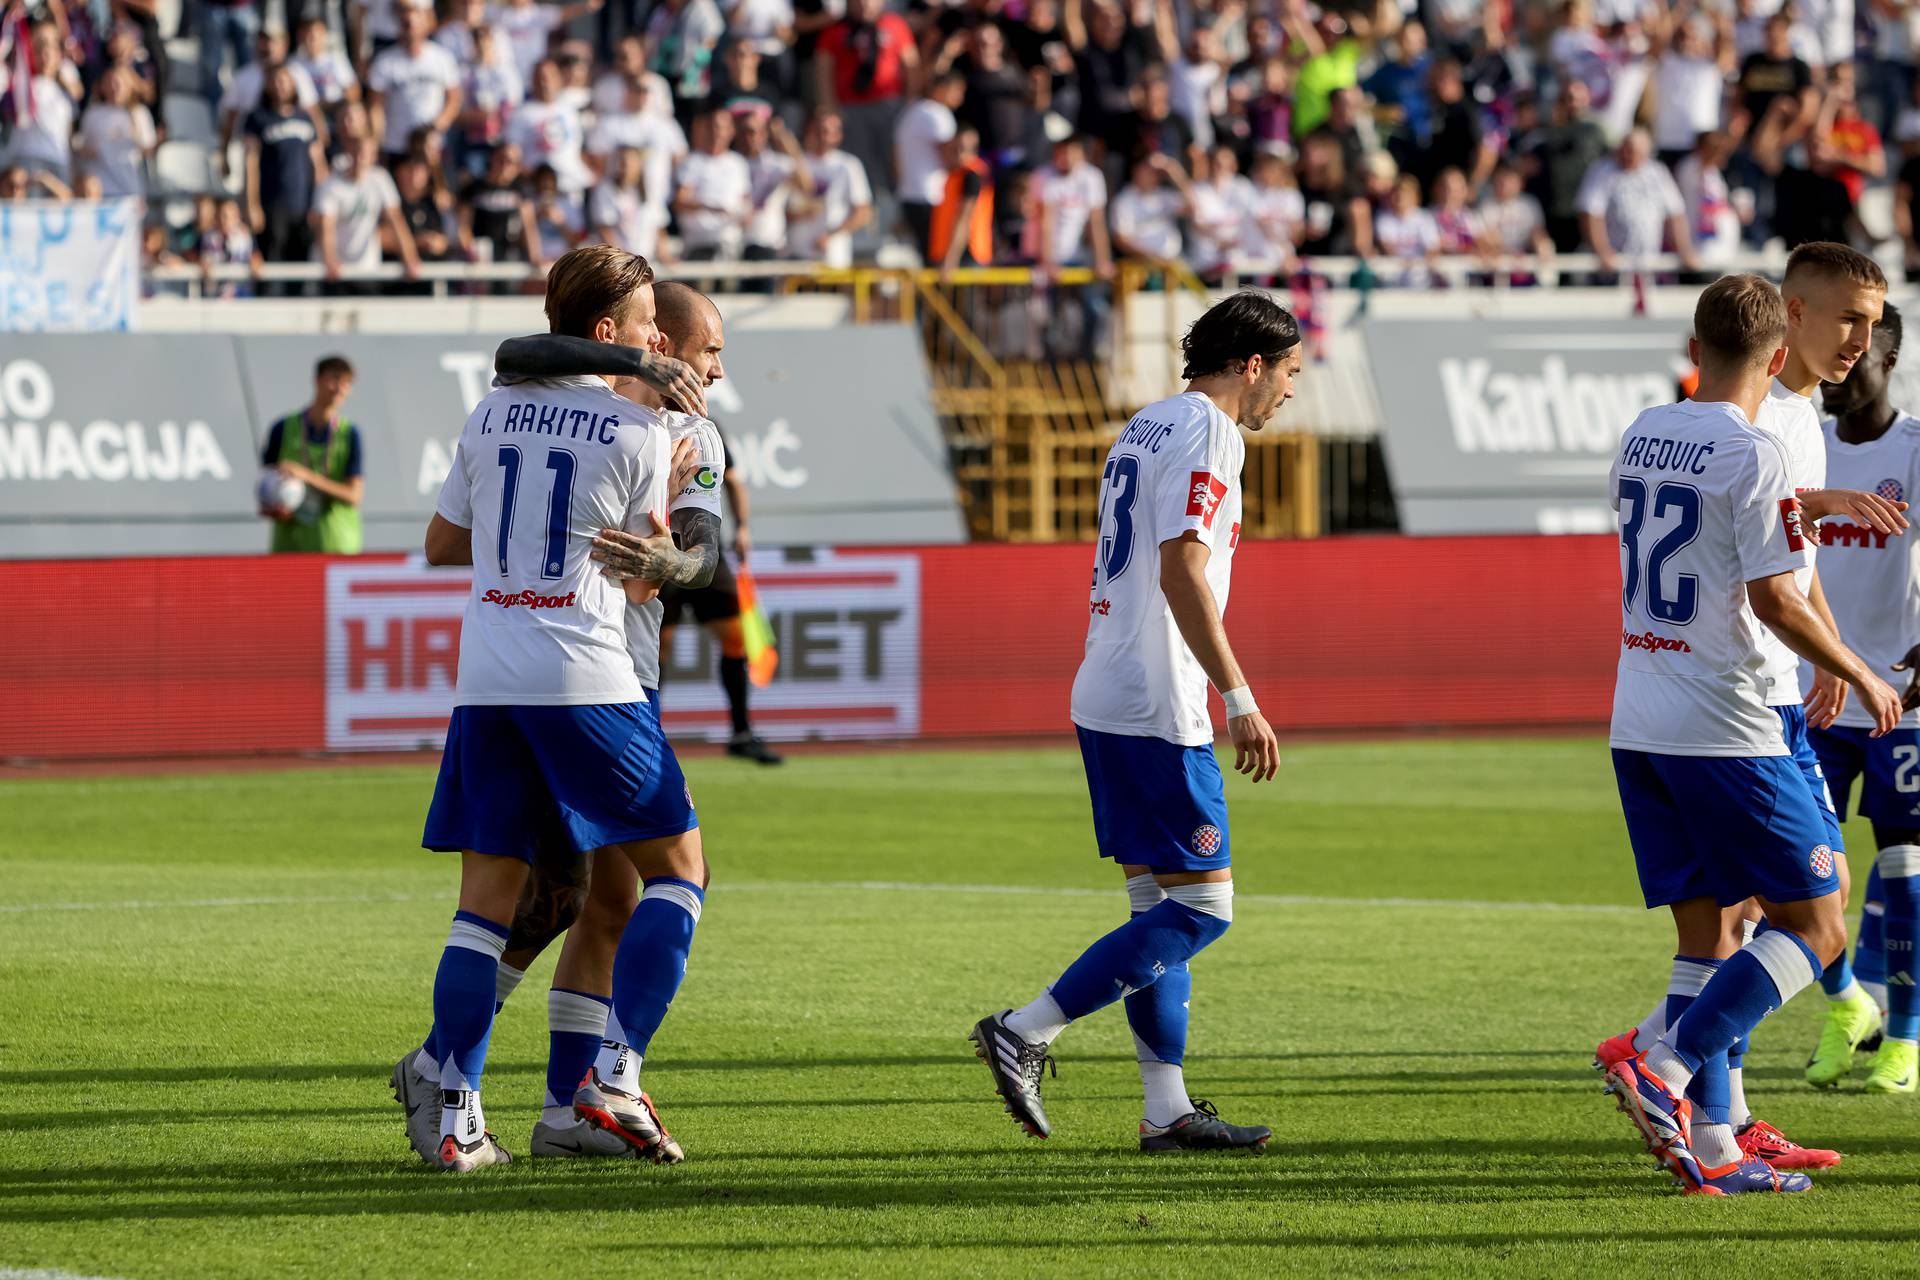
1873,587
548,712
1717,810
1169,524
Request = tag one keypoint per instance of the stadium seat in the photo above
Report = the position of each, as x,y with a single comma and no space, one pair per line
183,168
189,119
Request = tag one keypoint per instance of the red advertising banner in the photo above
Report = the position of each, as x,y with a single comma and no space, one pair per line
260,655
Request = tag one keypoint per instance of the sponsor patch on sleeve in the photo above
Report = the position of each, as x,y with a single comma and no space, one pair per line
1204,493
1790,519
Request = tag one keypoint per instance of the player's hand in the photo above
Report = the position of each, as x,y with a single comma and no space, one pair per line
1869,509
1911,665
624,555
1256,752
686,463
675,380
294,471
742,542
1825,699
1881,702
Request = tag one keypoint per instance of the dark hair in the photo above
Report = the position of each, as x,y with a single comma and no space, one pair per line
1246,325
1830,260
1740,320
330,365
1887,333
592,281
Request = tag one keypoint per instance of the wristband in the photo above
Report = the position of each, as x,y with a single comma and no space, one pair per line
1239,702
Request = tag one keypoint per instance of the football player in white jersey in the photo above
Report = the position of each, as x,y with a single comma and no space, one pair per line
1716,807
1873,584
1169,525
556,900
1833,295
547,708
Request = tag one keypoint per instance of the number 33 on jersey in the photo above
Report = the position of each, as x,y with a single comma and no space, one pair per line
1176,468
1705,508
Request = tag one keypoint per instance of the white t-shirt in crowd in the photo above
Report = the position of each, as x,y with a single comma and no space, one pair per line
840,186
1175,469
357,207
1073,199
1712,220
1199,94
759,22
610,95
636,221
1513,223
1705,507
1269,219
724,189
1218,210
922,130
1149,219
550,133
658,139
1687,93
413,89
542,626
46,141
243,91
527,28
1634,204
117,140
1872,580
330,74
771,174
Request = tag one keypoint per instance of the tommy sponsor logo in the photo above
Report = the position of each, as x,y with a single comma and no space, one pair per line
1101,608
1204,494
1206,840
1821,860
1790,518
1653,643
527,600
1841,533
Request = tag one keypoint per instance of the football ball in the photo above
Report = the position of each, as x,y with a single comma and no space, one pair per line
280,492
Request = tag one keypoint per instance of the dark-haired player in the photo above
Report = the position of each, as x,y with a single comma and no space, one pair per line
1169,525
1873,586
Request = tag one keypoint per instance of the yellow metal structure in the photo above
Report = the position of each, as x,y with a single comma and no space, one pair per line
1029,434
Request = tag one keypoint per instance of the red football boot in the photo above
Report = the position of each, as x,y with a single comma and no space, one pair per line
1761,1141
1618,1049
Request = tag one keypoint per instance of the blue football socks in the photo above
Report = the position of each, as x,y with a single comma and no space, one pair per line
650,964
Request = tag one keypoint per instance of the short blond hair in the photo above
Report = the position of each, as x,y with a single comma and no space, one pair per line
1740,320
592,281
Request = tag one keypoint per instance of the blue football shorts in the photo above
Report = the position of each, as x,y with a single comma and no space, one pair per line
606,770
1156,803
1725,827
1888,770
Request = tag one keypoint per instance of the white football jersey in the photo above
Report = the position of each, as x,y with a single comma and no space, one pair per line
1872,580
543,466
1792,419
1175,468
703,493
1705,507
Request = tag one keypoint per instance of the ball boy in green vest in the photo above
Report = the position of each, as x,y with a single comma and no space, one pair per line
321,448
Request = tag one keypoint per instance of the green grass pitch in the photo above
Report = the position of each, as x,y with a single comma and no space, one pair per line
205,979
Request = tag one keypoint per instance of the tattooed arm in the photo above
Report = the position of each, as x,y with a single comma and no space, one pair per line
654,557
558,355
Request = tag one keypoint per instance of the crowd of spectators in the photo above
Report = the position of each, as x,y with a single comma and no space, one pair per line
1228,135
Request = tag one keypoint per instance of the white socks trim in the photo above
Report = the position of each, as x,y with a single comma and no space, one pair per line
1214,898
1689,978
1144,893
505,979
1165,1086
1737,1107
1715,1146
1899,861
473,937
676,893
1039,1022
582,1015
1785,962
1747,928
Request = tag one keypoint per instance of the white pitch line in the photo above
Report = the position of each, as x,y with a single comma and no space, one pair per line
858,886
41,1273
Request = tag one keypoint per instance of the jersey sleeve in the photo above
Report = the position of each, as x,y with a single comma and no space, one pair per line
456,494
702,492
1191,483
1768,535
